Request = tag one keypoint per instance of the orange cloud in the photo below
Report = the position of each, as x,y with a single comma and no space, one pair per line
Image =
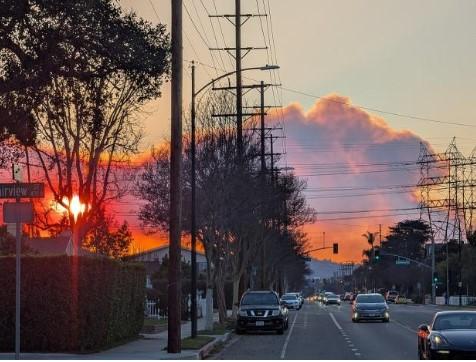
353,161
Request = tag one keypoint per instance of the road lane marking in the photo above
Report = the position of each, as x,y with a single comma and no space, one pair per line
288,337
347,339
335,321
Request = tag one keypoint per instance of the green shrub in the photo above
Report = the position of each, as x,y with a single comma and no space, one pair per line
109,308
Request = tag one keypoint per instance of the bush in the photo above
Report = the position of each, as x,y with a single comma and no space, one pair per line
110,306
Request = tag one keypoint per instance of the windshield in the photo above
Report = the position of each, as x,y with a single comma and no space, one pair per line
259,299
370,299
455,321
289,297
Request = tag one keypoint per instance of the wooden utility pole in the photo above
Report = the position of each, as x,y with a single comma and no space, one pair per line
193,230
174,275
239,89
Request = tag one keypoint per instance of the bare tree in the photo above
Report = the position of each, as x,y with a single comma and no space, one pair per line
231,214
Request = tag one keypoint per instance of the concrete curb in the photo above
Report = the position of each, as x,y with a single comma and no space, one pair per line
205,351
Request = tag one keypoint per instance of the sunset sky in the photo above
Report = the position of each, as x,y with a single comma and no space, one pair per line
402,57
342,63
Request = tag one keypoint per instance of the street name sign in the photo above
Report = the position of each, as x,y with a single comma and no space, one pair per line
402,261
18,212
22,190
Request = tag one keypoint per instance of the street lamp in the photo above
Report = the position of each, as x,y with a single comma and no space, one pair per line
193,231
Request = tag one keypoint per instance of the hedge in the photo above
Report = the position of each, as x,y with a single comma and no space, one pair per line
110,306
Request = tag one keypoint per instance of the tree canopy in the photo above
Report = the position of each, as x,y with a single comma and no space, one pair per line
41,40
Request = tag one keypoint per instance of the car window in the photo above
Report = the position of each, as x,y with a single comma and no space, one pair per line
370,299
259,299
455,321
289,297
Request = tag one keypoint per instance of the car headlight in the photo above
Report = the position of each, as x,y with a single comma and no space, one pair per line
242,313
275,312
438,341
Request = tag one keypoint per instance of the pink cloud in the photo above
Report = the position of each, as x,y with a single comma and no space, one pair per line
335,146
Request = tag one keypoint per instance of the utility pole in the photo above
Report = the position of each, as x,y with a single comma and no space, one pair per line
239,89
263,170
193,232
238,56
263,159
174,272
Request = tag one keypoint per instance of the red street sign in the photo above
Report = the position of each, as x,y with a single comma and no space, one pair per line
14,212
22,190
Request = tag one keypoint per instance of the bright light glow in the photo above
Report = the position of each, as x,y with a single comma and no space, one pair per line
75,206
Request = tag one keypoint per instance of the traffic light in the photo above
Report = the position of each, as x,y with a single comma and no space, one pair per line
435,278
335,248
377,254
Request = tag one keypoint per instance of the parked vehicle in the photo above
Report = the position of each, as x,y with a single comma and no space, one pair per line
391,296
298,295
261,310
291,301
452,335
401,300
370,307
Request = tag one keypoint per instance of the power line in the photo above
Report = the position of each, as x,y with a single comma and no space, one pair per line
334,212
326,99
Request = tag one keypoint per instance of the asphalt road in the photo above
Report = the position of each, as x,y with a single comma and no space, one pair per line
327,332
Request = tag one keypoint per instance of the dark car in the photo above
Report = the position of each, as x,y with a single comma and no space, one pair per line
370,307
261,310
452,335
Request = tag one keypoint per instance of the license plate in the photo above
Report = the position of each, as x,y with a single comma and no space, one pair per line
259,323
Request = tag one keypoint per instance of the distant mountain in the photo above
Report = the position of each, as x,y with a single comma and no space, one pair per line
322,268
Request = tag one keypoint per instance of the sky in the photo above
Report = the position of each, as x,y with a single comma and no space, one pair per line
341,63
363,82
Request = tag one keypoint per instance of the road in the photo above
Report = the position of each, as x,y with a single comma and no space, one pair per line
327,332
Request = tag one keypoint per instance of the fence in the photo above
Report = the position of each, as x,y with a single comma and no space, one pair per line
152,309
454,300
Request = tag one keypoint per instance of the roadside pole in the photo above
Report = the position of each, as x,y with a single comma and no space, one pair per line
17,213
174,272
17,288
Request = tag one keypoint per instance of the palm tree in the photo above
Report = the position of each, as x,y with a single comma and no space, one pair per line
370,237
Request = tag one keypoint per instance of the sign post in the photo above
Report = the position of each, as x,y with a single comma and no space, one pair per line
18,213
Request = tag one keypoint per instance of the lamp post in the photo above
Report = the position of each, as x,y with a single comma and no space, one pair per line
193,231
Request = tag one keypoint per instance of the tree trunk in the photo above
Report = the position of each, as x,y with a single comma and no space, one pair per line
236,292
220,288
209,310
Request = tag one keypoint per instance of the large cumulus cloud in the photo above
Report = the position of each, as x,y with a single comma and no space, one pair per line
335,146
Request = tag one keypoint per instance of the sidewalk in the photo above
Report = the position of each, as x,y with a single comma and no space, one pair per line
151,346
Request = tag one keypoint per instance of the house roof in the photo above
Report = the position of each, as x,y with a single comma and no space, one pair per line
49,246
166,246
59,245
